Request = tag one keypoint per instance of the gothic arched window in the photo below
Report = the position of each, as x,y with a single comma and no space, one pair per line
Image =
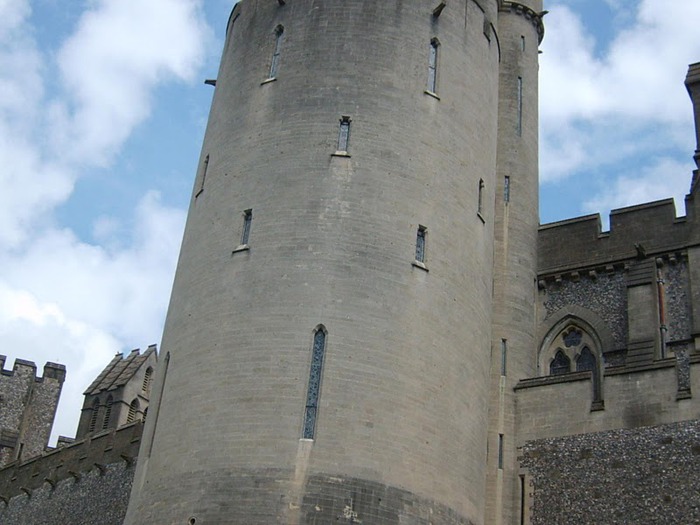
574,345
586,360
561,364
275,64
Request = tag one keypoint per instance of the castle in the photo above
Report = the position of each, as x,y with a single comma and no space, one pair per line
368,324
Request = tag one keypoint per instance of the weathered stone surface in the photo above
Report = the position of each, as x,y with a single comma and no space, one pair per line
97,498
605,295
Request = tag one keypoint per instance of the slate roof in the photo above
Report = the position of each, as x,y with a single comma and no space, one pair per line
119,370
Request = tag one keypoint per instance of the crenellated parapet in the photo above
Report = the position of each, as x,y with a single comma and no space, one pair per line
87,481
71,461
521,9
23,367
29,405
580,243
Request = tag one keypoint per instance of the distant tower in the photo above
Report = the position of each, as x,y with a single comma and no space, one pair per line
328,346
27,408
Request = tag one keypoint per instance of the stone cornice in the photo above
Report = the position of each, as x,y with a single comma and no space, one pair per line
523,10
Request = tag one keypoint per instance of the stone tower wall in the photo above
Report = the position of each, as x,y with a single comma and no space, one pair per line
516,210
27,408
402,418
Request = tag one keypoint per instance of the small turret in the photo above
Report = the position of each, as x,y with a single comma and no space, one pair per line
692,82
29,405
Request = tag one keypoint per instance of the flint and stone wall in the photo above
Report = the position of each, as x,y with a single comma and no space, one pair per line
643,475
85,483
27,408
97,498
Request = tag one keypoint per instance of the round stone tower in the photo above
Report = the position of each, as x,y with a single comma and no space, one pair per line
327,348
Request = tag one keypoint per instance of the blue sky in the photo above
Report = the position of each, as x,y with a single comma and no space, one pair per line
102,113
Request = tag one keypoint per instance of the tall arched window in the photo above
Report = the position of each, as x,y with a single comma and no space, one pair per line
433,65
480,197
574,341
202,176
312,394
108,413
147,379
275,63
93,416
133,408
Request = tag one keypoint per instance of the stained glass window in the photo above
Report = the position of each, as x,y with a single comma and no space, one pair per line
344,134
312,395
585,361
560,365
274,65
247,221
572,338
420,244
432,66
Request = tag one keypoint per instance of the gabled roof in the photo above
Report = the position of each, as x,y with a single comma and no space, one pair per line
119,371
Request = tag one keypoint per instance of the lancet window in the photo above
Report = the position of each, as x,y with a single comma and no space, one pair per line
313,391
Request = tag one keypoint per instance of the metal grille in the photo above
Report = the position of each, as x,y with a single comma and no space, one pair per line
314,384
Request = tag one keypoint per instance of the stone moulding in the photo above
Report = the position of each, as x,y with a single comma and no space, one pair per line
523,10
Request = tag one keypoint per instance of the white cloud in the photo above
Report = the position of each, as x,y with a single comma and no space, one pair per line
61,298
665,178
78,304
121,50
610,108
41,331
640,75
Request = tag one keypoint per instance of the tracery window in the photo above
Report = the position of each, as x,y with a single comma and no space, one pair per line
573,341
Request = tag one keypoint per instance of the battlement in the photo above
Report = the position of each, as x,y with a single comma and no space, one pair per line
71,461
51,370
580,242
